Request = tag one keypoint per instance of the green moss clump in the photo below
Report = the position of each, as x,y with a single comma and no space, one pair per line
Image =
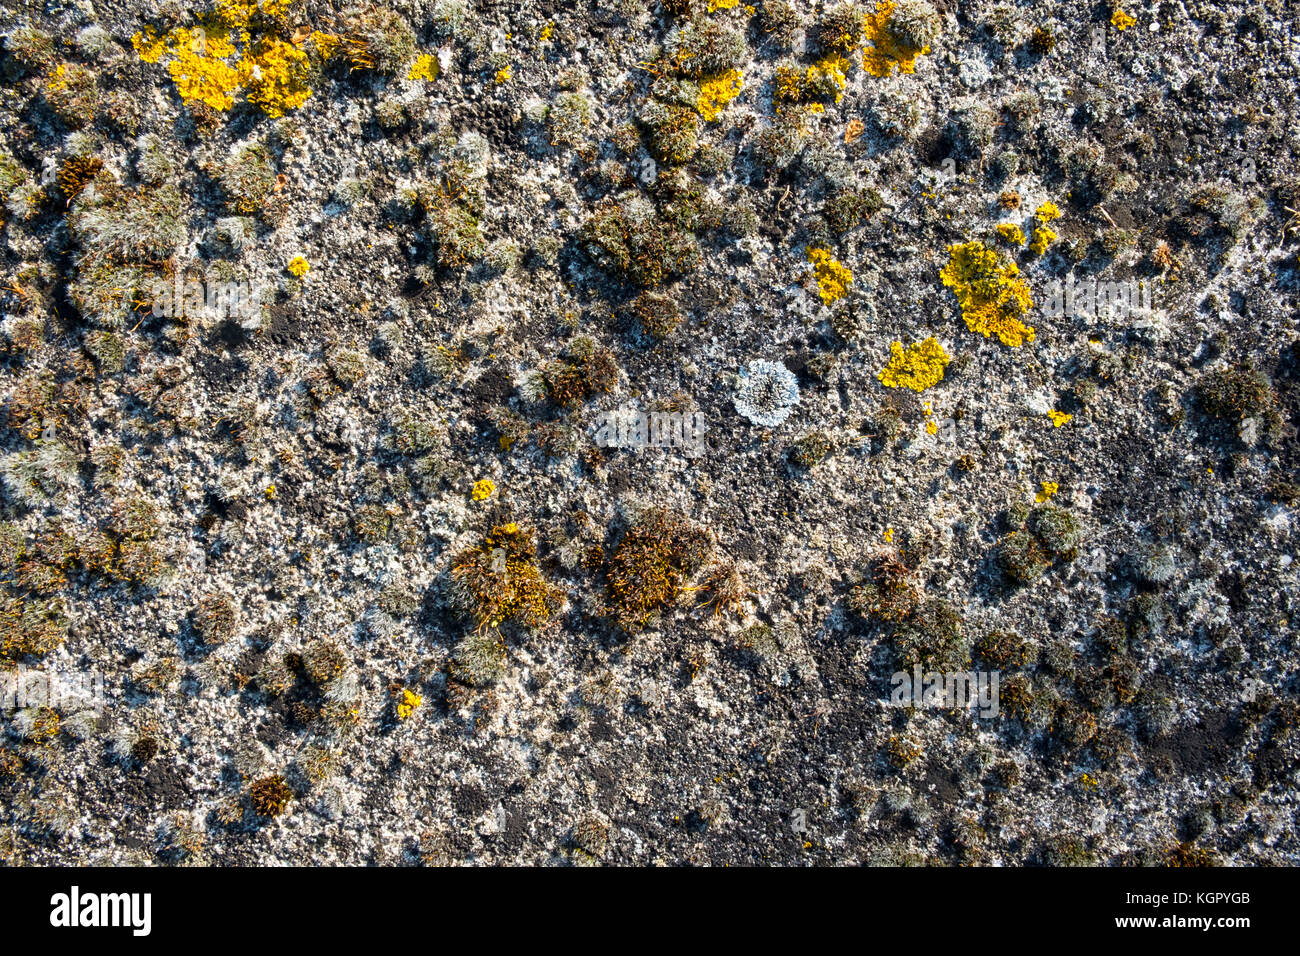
1057,529
932,637
478,660
1022,558
672,132
658,554
586,370
1236,393
851,208
632,240
568,117
657,314
270,796
811,450
1042,537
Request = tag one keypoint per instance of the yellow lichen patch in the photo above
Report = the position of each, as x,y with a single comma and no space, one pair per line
483,489
299,267
326,44
723,5
1043,237
833,278
1059,418
275,76
992,296
213,61
1047,212
717,92
918,367
1048,489
884,51
503,75
148,45
1011,233
407,702
1121,21
425,67
203,79
833,69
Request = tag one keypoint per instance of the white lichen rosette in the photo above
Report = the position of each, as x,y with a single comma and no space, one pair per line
767,394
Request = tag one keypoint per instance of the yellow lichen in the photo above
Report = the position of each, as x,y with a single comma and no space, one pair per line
833,278
832,67
1120,20
407,702
1043,237
1047,212
723,5
918,366
203,79
213,61
1059,418
1012,233
148,45
275,76
992,296
1049,488
425,67
483,489
885,52
503,75
717,92
299,267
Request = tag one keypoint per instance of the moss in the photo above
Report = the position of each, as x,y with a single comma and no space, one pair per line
1006,650
779,20
1057,529
850,208
651,565
214,618
705,46
1236,393
586,370
840,28
1042,41
658,315
270,796
932,637
887,593
634,241
568,118
672,132
247,178
498,580
1022,558
478,660
811,450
